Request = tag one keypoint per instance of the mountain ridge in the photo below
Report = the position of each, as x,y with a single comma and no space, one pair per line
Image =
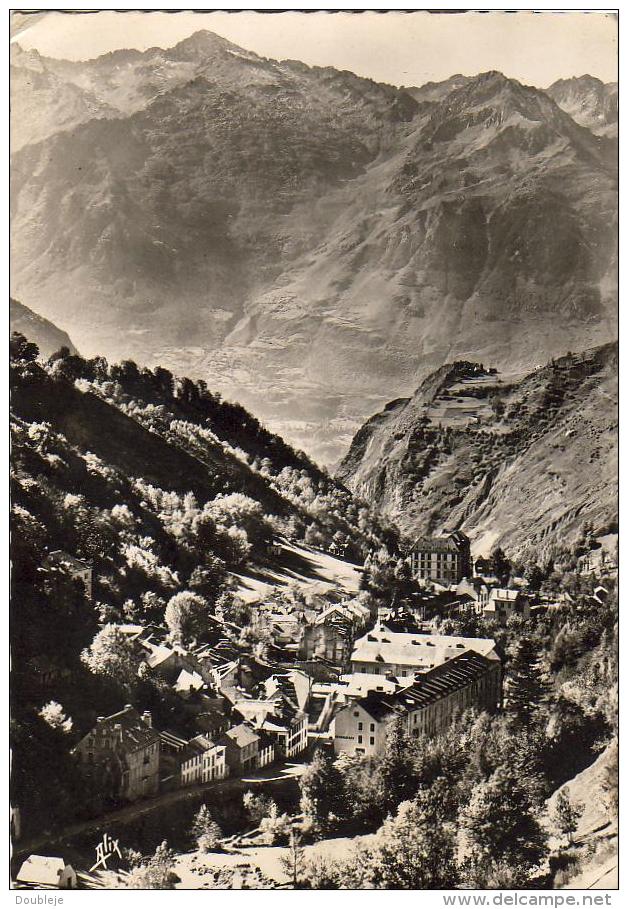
503,458
309,241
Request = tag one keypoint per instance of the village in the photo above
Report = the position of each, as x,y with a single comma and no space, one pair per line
322,670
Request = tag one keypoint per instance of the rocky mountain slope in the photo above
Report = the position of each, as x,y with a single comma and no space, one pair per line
522,461
595,839
46,336
310,242
590,102
43,103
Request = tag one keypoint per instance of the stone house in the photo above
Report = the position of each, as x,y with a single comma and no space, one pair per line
325,642
202,761
242,748
475,588
504,603
280,720
123,750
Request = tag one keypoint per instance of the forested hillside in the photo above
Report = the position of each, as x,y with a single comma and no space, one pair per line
164,490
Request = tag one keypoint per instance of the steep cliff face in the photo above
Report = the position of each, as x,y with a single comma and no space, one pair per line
310,242
522,461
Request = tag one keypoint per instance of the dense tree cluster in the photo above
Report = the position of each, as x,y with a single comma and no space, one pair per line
164,490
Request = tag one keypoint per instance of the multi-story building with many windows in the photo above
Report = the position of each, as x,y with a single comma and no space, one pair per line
445,560
426,707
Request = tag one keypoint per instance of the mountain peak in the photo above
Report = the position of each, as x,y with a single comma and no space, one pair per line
585,80
493,76
199,44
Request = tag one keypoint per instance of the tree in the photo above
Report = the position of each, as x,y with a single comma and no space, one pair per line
45,780
154,873
566,814
497,405
395,771
274,826
69,367
232,609
111,655
294,862
526,690
501,820
209,580
415,850
256,806
60,354
499,563
242,512
53,714
187,616
320,873
323,797
567,648
313,536
21,349
205,830
534,575
164,381
609,782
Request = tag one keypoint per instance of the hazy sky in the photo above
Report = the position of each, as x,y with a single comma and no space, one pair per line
403,49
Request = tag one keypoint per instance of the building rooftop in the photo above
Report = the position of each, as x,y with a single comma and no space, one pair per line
196,747
41,869
502,593
452,542
423,651
434,685
187,681
64,559
122,731
241,735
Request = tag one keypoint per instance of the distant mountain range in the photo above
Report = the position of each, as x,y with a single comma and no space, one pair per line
310,242
522,462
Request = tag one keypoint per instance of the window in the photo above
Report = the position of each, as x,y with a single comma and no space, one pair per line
355,713
359,740
372,740
360,726
372,727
